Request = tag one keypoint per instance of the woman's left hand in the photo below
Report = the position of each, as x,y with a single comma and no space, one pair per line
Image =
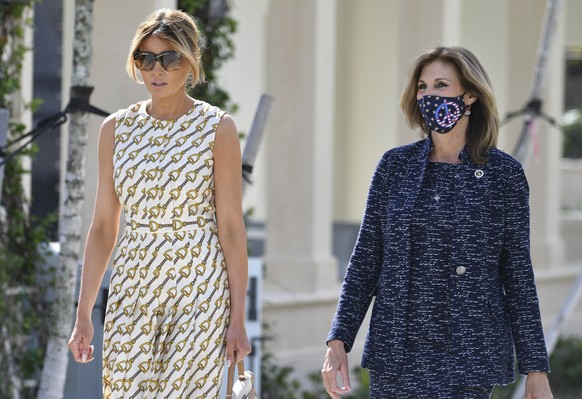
537,386
237,343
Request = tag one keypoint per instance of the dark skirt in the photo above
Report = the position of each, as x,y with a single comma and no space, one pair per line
424,376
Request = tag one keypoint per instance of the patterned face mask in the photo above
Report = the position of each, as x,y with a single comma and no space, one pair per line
441,113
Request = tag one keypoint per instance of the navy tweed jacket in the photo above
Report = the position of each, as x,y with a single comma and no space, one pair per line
493,305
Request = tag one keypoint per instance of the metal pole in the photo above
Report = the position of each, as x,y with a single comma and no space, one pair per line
254,139
4,116
539,76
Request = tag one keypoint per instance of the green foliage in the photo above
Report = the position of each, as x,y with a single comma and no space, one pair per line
277,381
10,29
566,375
503,392
315,388
23,306
217,31
362,390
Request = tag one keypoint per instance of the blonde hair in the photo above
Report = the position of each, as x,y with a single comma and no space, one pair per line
483,128
179,30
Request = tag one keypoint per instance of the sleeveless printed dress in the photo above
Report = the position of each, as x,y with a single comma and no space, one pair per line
168,304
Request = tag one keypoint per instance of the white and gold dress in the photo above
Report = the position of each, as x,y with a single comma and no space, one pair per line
168,302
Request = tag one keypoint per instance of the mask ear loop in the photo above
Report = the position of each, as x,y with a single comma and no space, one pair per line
468,107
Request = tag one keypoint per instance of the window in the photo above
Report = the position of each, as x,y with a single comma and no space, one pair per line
572,119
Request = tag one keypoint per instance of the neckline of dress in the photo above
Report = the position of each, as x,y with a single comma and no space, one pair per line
143,111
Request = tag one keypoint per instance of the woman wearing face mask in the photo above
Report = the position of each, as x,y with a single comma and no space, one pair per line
176,302
444,249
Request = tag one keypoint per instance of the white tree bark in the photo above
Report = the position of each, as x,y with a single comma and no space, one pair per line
56,359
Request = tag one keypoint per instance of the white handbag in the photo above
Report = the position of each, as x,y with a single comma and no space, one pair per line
244,386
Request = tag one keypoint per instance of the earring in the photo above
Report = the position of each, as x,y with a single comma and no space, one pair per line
468,111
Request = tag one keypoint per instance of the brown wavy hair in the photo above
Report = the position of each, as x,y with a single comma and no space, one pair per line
179,30
483,128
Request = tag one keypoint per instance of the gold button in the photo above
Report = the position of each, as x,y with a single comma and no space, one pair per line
461,270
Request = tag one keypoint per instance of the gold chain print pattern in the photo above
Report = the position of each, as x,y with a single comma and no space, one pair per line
168,297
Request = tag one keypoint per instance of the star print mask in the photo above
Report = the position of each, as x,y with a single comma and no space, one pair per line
441,113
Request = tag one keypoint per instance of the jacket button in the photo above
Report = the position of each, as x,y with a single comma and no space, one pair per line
461,270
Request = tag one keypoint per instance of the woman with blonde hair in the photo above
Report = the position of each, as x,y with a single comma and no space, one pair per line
176,305
444,249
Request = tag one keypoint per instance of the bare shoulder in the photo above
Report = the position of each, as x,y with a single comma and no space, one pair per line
107,132
226,139
226,127
108,125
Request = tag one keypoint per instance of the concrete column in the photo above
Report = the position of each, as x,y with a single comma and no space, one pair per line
452,20
368,88
300,76
301,285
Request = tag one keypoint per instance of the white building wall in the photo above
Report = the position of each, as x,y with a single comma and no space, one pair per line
367,83
244,78
572,22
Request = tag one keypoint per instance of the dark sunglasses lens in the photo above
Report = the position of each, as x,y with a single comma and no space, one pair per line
170,60
145,61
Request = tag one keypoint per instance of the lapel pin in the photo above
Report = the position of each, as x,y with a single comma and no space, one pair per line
479,173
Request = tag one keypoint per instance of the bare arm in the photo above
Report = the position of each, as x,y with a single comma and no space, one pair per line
231,231
100,243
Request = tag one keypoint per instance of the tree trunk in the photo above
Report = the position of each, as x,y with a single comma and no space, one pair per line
56,359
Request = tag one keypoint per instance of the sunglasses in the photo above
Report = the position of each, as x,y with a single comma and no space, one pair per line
145,61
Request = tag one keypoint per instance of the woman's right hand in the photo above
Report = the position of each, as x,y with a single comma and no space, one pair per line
336,361
80,341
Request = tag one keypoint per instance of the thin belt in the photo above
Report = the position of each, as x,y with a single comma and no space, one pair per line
165,225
